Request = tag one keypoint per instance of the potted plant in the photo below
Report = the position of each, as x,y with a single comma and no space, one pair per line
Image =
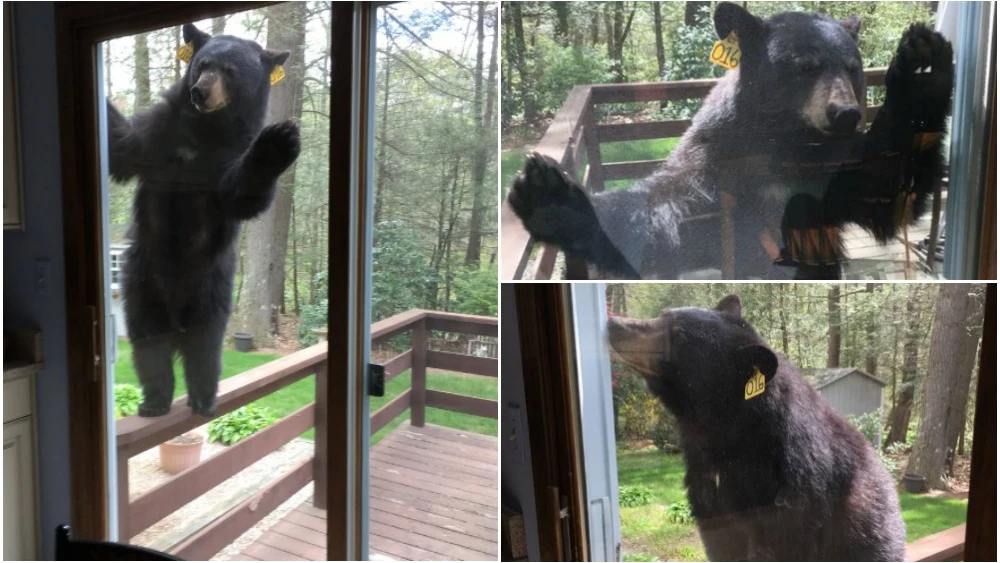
182,452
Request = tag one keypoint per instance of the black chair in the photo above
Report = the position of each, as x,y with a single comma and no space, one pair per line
86,550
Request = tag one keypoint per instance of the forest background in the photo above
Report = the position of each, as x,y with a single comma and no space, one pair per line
435,233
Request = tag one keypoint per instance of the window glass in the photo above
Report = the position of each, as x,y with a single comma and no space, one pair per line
753,140
739,409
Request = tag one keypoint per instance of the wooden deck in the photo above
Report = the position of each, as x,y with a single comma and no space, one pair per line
433,496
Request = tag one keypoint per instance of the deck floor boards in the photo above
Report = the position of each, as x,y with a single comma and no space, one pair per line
433,496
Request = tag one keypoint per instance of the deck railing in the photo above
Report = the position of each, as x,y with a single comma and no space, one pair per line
136,435
574,140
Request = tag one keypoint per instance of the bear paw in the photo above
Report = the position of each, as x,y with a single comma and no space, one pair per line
277,146
920,78
553,207
204,408
150,410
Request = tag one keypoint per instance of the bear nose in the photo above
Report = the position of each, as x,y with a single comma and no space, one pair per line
198,95
843,118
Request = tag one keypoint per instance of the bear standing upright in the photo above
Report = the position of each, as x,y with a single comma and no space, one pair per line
205,163
778,134
773,472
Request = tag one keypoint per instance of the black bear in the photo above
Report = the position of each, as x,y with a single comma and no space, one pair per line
779,134
205,163
773,472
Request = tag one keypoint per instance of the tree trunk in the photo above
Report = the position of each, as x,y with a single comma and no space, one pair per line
562,21
142,98
833,316
661,57
267,236
871,353
782,318
381,160
899,418
946,388
485,143
219,25
527,99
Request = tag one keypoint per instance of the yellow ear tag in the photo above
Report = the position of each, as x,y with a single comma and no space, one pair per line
277,74
726,52
754,386
185,52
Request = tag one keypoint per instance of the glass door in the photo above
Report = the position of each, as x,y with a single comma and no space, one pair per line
236,266
433,476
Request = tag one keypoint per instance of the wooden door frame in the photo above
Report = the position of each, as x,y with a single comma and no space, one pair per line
552,408
543,329
79,27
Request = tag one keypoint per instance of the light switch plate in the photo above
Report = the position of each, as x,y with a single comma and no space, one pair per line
41,277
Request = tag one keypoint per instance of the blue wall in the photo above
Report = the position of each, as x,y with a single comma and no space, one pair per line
42,239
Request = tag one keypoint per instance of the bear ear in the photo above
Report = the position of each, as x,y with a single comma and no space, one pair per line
730,305
852,25
729,17
272,58
755,357
196,37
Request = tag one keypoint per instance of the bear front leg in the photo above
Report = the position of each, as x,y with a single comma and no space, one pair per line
123,146
250,184
556,210
919,81
201,348
152,357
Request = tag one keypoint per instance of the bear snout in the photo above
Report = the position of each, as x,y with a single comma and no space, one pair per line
639,343
843,118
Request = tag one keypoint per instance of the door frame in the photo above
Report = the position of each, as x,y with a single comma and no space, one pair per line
79,27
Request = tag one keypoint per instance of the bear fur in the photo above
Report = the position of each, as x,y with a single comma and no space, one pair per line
779,476
779,134
205,163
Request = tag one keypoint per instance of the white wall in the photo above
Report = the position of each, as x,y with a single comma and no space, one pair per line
42,239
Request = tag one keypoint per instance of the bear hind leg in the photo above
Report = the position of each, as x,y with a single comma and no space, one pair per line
201,348
153,360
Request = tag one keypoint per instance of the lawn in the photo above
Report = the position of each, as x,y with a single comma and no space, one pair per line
647,536
302,392
623,151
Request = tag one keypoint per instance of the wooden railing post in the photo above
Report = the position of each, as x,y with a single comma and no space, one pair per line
594,182
320,444
418,373
123,500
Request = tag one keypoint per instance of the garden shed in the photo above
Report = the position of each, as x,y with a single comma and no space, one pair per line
849,390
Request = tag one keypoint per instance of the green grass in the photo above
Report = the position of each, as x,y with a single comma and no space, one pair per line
647,536
926,515
510,163
295,396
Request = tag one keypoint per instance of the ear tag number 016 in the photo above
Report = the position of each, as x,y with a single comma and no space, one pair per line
185,52
726,52
754,386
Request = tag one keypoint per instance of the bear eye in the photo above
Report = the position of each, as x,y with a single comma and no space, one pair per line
807,64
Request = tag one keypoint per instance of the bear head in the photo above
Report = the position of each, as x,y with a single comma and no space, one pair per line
227,72
798,69
698,362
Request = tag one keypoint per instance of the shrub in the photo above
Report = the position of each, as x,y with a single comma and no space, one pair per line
680,513
869,424
475,291
565,67
666,436
634,495
239,424
127,399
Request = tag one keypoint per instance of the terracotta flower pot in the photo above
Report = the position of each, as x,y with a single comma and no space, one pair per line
183,452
